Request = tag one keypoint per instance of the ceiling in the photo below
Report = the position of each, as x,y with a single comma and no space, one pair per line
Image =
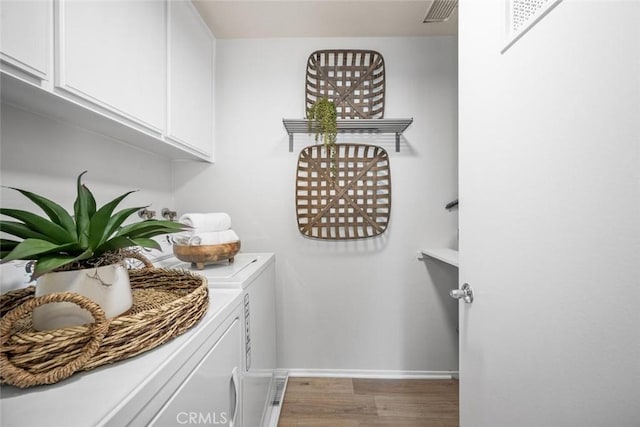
321,18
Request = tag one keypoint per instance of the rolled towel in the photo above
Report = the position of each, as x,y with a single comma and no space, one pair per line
214,221
213,238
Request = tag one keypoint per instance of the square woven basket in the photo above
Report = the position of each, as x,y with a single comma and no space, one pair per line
353,79
354,204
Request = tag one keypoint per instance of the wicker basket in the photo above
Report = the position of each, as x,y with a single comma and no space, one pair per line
356,204
353,79
165,304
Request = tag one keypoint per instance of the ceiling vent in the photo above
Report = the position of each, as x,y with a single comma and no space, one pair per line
440,10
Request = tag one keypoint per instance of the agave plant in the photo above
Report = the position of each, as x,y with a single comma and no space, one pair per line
63,240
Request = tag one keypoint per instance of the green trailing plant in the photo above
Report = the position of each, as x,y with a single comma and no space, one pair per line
63,241
322,118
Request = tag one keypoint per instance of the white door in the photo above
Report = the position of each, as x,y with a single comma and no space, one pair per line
550,216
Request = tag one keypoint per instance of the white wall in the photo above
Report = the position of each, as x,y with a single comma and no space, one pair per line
367,304
550,216
45,156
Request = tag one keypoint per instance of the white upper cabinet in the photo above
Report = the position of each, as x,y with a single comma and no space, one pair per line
141,72
112,54
191,62
25,38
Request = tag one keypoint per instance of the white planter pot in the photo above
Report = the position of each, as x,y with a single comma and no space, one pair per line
108,286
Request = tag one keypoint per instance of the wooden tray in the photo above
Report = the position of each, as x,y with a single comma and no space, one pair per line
200,255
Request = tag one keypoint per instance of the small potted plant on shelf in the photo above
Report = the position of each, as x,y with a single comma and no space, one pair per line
82,253
322,118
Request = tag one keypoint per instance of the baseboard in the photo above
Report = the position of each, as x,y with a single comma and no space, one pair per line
381,374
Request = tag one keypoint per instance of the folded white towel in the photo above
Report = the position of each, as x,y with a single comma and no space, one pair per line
213,238
214,221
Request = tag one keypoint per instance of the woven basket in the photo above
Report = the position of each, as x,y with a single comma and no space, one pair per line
353,79
356,204
165,304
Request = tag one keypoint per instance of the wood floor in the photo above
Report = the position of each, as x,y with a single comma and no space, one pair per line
352,402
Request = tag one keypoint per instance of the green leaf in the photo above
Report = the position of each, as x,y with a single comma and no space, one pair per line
7,245
147,243
116,221
91,201
54,211
18,229
154,233
49,263
29,248
99,221
113,244
156,227
52,231
84,208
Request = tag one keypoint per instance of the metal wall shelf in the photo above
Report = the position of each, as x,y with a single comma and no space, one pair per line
396,126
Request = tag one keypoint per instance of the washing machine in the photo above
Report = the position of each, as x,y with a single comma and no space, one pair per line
254,275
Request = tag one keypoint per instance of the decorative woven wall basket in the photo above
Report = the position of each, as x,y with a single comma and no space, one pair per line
166,303
353,79
354,204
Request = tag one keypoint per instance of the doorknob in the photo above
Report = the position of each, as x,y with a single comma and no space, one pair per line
466,293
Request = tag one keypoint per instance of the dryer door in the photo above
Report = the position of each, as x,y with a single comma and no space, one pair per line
211,393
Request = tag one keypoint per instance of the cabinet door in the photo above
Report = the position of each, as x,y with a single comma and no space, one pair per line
191,57
25,37
210,395
113,54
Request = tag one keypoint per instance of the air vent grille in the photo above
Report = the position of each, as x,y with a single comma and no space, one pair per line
523,10
280,383
440,10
